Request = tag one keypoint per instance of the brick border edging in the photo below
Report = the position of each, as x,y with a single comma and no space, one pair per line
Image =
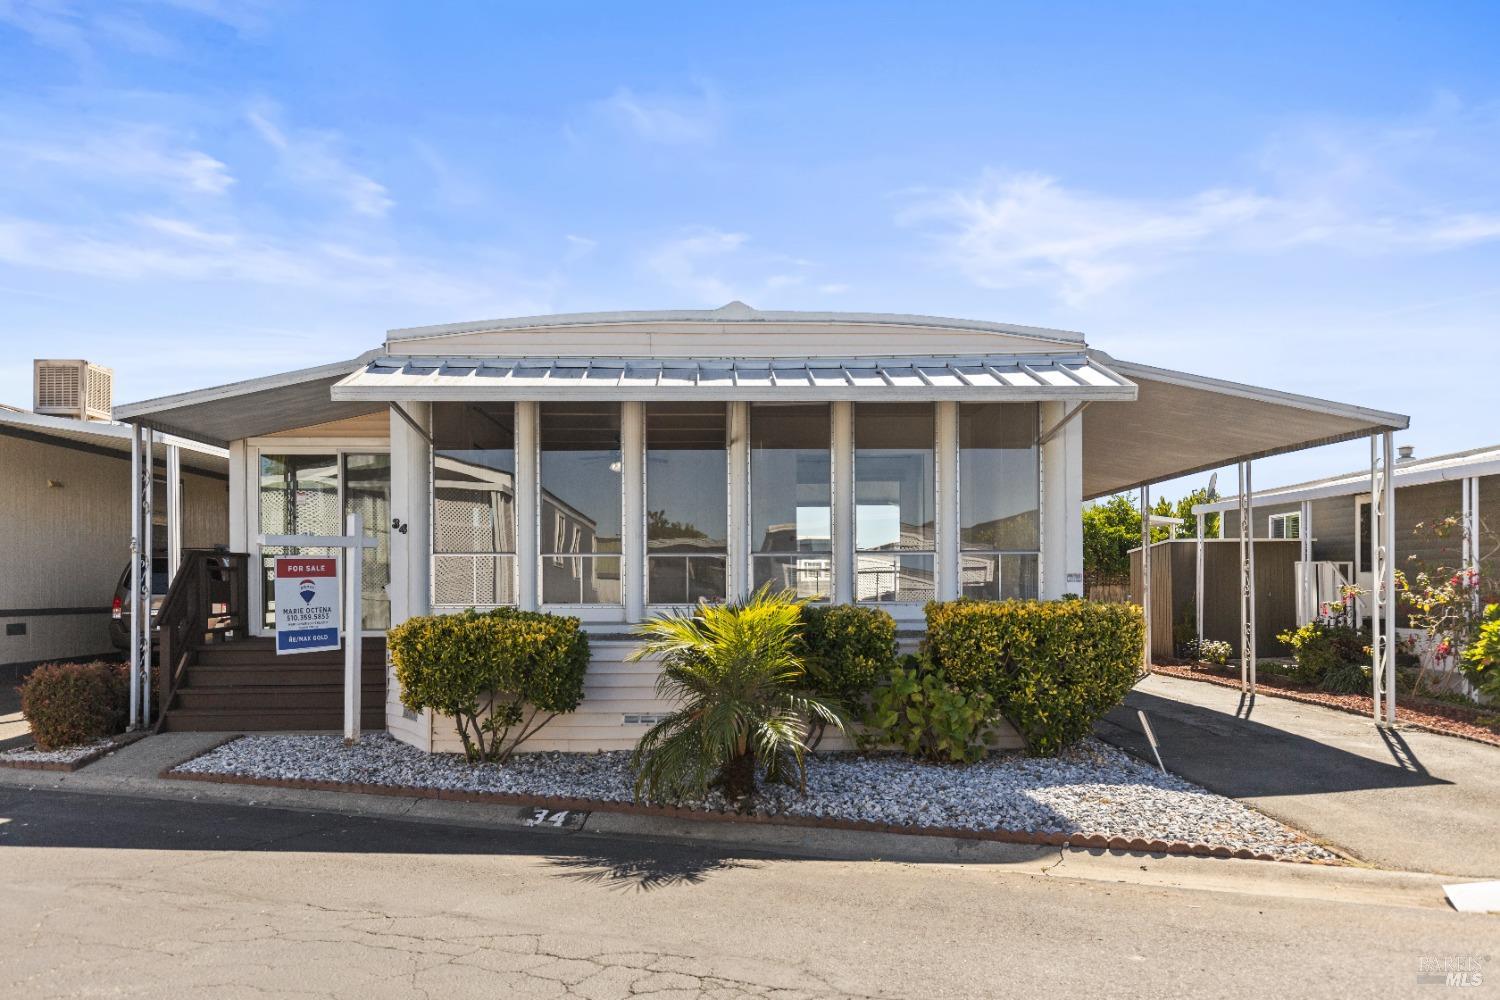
1138,845
1306,698
122,740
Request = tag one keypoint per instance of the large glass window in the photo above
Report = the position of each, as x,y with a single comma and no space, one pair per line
790,498
687,510
999,500
895,537
473,505
580,502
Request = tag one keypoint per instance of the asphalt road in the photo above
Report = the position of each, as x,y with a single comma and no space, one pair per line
127,897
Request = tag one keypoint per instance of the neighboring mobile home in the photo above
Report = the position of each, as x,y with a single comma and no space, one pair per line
615,465
65,501
1328,522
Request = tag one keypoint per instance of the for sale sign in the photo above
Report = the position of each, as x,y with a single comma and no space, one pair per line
307,603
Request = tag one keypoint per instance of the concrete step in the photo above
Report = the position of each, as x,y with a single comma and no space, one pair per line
252,698
257,674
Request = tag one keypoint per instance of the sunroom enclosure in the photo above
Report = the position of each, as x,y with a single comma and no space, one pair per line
615,511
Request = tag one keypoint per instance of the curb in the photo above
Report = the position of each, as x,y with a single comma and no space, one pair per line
1096,841
1301,698
123,740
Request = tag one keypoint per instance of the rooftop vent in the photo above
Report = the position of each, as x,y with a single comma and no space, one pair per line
1404,454
72,388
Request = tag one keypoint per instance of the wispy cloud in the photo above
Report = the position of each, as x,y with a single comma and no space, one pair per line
136,154
80,30
686,263
311,158
672,120
1361,191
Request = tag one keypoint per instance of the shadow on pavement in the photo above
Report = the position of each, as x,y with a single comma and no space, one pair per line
643,872
1238,757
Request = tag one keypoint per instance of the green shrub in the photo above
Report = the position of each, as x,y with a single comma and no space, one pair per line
846,649
917,709
1053,668
71,703
1322,645
1481,660
1346,678
502,675
1215,651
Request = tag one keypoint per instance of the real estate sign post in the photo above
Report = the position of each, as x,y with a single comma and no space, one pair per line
307,603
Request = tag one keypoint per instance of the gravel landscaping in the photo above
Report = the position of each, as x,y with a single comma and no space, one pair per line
63,755
1090,789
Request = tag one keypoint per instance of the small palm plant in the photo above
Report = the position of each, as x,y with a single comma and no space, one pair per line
734,670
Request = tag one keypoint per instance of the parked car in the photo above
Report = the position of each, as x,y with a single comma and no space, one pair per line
119,608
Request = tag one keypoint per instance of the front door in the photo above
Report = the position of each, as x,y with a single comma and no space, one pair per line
307,493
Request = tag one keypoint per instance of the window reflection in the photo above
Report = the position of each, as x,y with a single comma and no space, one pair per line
895,497
687,511
580,502
473,504
790,498
999,500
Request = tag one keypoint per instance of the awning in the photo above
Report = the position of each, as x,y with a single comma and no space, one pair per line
1029,377
1183,424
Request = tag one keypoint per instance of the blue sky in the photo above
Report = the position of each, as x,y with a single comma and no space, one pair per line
197,191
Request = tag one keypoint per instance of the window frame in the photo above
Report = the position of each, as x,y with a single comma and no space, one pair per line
731,590
999,554
592,611
1289,517
933,484
751,555
513,556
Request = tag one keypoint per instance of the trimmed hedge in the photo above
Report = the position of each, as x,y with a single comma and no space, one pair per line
846,649
1053,668
493,672
71,703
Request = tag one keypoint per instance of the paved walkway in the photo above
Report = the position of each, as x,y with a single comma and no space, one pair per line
1405,799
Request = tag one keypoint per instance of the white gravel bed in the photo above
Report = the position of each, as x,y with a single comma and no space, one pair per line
62,755
1092,788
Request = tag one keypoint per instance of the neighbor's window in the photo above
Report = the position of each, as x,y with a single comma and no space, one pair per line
999,500
894,498
473,505
1286,526
790,498
580,502
687,502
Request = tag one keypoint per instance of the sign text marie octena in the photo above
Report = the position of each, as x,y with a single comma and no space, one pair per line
307,603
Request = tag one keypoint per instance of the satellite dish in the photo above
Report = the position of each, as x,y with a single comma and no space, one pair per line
1213,487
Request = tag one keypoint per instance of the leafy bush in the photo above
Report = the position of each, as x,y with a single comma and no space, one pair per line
917,709
1215,651
502,675
1323,645
735,673
1481,660
1053,668
71,703
1346,678
845,649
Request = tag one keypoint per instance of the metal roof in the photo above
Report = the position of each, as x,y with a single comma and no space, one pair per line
99,434
1415,472
1001,377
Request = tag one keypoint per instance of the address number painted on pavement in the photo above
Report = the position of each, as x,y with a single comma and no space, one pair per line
558,819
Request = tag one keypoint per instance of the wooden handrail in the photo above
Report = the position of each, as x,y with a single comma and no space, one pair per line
207,602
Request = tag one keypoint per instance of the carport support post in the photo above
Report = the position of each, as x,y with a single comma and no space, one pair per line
135,573
142,490
354,642
174,512
1247,582
1383,580
1146,572
1198,577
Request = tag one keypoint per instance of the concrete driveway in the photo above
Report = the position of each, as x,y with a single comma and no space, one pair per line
1399,799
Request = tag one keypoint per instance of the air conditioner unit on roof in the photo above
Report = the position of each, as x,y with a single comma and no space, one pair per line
72,388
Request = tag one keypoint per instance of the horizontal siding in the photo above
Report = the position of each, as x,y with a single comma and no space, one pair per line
1489,536
613,687
1332,529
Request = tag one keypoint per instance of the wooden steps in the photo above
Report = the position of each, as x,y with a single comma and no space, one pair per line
244,686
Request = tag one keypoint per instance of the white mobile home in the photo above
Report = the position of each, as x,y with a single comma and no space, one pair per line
613,465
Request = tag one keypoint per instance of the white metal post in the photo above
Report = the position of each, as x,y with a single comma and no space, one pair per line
1198,575
1146,571
135,574
354,643
1247,580
1388,580
143,602
528,510
845,561
174,511
1471,530
1305,598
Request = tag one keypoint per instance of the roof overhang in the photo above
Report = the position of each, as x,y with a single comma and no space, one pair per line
1182,424
1443,469
102,436
254,407
1027,377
